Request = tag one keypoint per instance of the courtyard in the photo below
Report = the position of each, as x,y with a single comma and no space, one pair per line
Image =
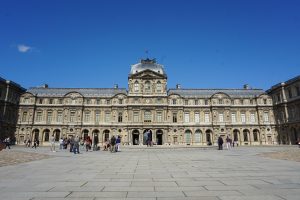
151,173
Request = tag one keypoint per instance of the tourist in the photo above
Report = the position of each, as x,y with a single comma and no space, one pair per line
7,142
52,143
220,143
228,146
106,145
112,144
76,144
34,143
71,141
61,143
118,142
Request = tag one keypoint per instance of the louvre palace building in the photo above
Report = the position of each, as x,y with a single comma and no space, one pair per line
148,109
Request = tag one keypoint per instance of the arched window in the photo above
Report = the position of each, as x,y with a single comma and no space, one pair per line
136,86
198,136
147,86
188,136
158,87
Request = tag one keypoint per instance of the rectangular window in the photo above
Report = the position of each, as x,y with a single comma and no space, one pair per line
88,101
174,102
266,117
220,101
206,102
243,117
107,101
40,101
107,117
50,101
197,117
186,117
252,118
147,116
159,100
24,117
98,101
87,116
39,116
221,117
72,116
233,117
97,116
159,116
174,117
60,101
196,102
49,116
120,101
206,117
186,102
278,98
136,116
120,117
59,116
265,101
26,100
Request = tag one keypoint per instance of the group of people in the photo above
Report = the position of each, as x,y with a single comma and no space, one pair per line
6,142
112,145
229,143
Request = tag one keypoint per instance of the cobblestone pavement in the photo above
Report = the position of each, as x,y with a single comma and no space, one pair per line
153,174
11,157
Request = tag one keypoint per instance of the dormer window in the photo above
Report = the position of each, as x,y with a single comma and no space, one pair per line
158,86
147,86
136,86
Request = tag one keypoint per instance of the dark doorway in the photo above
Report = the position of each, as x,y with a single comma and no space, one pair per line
159,139
135,139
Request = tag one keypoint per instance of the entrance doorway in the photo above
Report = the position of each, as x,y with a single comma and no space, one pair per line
135,137
159,137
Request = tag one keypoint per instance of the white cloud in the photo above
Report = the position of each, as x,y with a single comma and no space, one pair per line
23,48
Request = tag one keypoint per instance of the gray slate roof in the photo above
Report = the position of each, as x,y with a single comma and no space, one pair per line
86,92
207,93
147,64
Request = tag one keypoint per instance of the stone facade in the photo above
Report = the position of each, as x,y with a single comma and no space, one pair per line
10,93
148,109
286,99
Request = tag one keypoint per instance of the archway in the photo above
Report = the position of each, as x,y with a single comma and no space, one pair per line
236,134
147,137
106,135
56,134
159,137
198,136
85,134
35,134
96,136
187,136
246,135
208,136
135,137
46,134
256,136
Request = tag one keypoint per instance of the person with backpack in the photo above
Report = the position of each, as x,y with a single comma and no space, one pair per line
112,143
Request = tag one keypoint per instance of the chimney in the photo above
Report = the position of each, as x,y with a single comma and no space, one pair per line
45,86
246,87
178,86
116,86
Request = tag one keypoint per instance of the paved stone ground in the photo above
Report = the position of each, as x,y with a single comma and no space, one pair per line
153,174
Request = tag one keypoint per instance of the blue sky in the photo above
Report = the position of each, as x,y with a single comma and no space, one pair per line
202,44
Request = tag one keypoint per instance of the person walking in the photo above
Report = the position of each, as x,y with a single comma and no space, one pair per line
34,143
61,143
118,142
220,143
7,142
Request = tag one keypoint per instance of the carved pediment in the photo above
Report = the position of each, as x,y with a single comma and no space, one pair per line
73,95
148,74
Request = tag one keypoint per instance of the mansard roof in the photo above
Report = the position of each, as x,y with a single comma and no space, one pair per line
149,64
86,92
207,93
